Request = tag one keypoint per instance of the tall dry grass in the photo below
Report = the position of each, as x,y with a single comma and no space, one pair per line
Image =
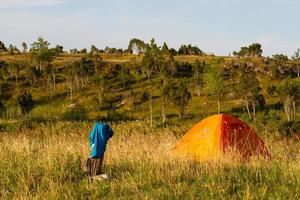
45,163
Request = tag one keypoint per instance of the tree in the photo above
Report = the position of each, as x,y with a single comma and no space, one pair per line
83,51
98,61
26,103
198,73
2,109
101,90
214,85
74,51
136,46
40,52
4,75
123,72
172,52
32,74
181,96
280,58
152,62
93,50
51,78
15,69
58,49
78,73
165,49
165,91
296,59
24,46
133,98
189,50
289,90
165,94
254,50
11,49
2,46
249,89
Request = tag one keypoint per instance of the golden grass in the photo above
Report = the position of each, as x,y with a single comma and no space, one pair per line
44,163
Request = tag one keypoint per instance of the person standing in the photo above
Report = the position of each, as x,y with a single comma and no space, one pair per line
98,138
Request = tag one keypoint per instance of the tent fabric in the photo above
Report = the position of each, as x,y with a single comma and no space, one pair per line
98,138
216,135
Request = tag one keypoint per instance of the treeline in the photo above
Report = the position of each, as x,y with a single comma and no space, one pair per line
217,79
136,46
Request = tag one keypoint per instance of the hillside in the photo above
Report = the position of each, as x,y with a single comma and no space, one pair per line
117,88
48,109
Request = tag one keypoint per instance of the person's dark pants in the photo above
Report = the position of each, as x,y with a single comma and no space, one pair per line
94,166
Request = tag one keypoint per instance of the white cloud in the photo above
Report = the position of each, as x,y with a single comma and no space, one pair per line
12,3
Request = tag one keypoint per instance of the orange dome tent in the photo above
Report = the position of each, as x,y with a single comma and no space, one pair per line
217,134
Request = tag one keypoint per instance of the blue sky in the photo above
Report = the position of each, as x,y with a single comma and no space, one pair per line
216,26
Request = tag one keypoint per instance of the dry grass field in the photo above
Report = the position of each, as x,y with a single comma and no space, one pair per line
45,163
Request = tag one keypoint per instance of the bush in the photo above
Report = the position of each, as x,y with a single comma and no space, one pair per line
26,103
184,70
2,109
78,113
115,116
288,129
272,90
145,96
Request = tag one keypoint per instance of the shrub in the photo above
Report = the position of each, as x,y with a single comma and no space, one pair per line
78,113
272,90
2,109
184,70
26,103
145,96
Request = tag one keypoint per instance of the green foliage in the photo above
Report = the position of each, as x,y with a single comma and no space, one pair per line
152,59
115,116
254,50
165,49
189,50
275,125
4,74
289,87
249,84
180,95
213,79
184,69
136,45
57,50
40,52
280,58
24,46
272,90
77,78
83,51
76,113
2,46
145,96
94,50
2,109
260,101
26,103
290,128
289,91
198,74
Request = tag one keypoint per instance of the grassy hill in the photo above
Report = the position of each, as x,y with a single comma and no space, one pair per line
41,151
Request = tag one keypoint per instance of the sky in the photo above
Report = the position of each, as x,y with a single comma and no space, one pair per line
215,26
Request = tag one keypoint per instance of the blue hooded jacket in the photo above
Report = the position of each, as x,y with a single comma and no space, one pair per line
99,136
